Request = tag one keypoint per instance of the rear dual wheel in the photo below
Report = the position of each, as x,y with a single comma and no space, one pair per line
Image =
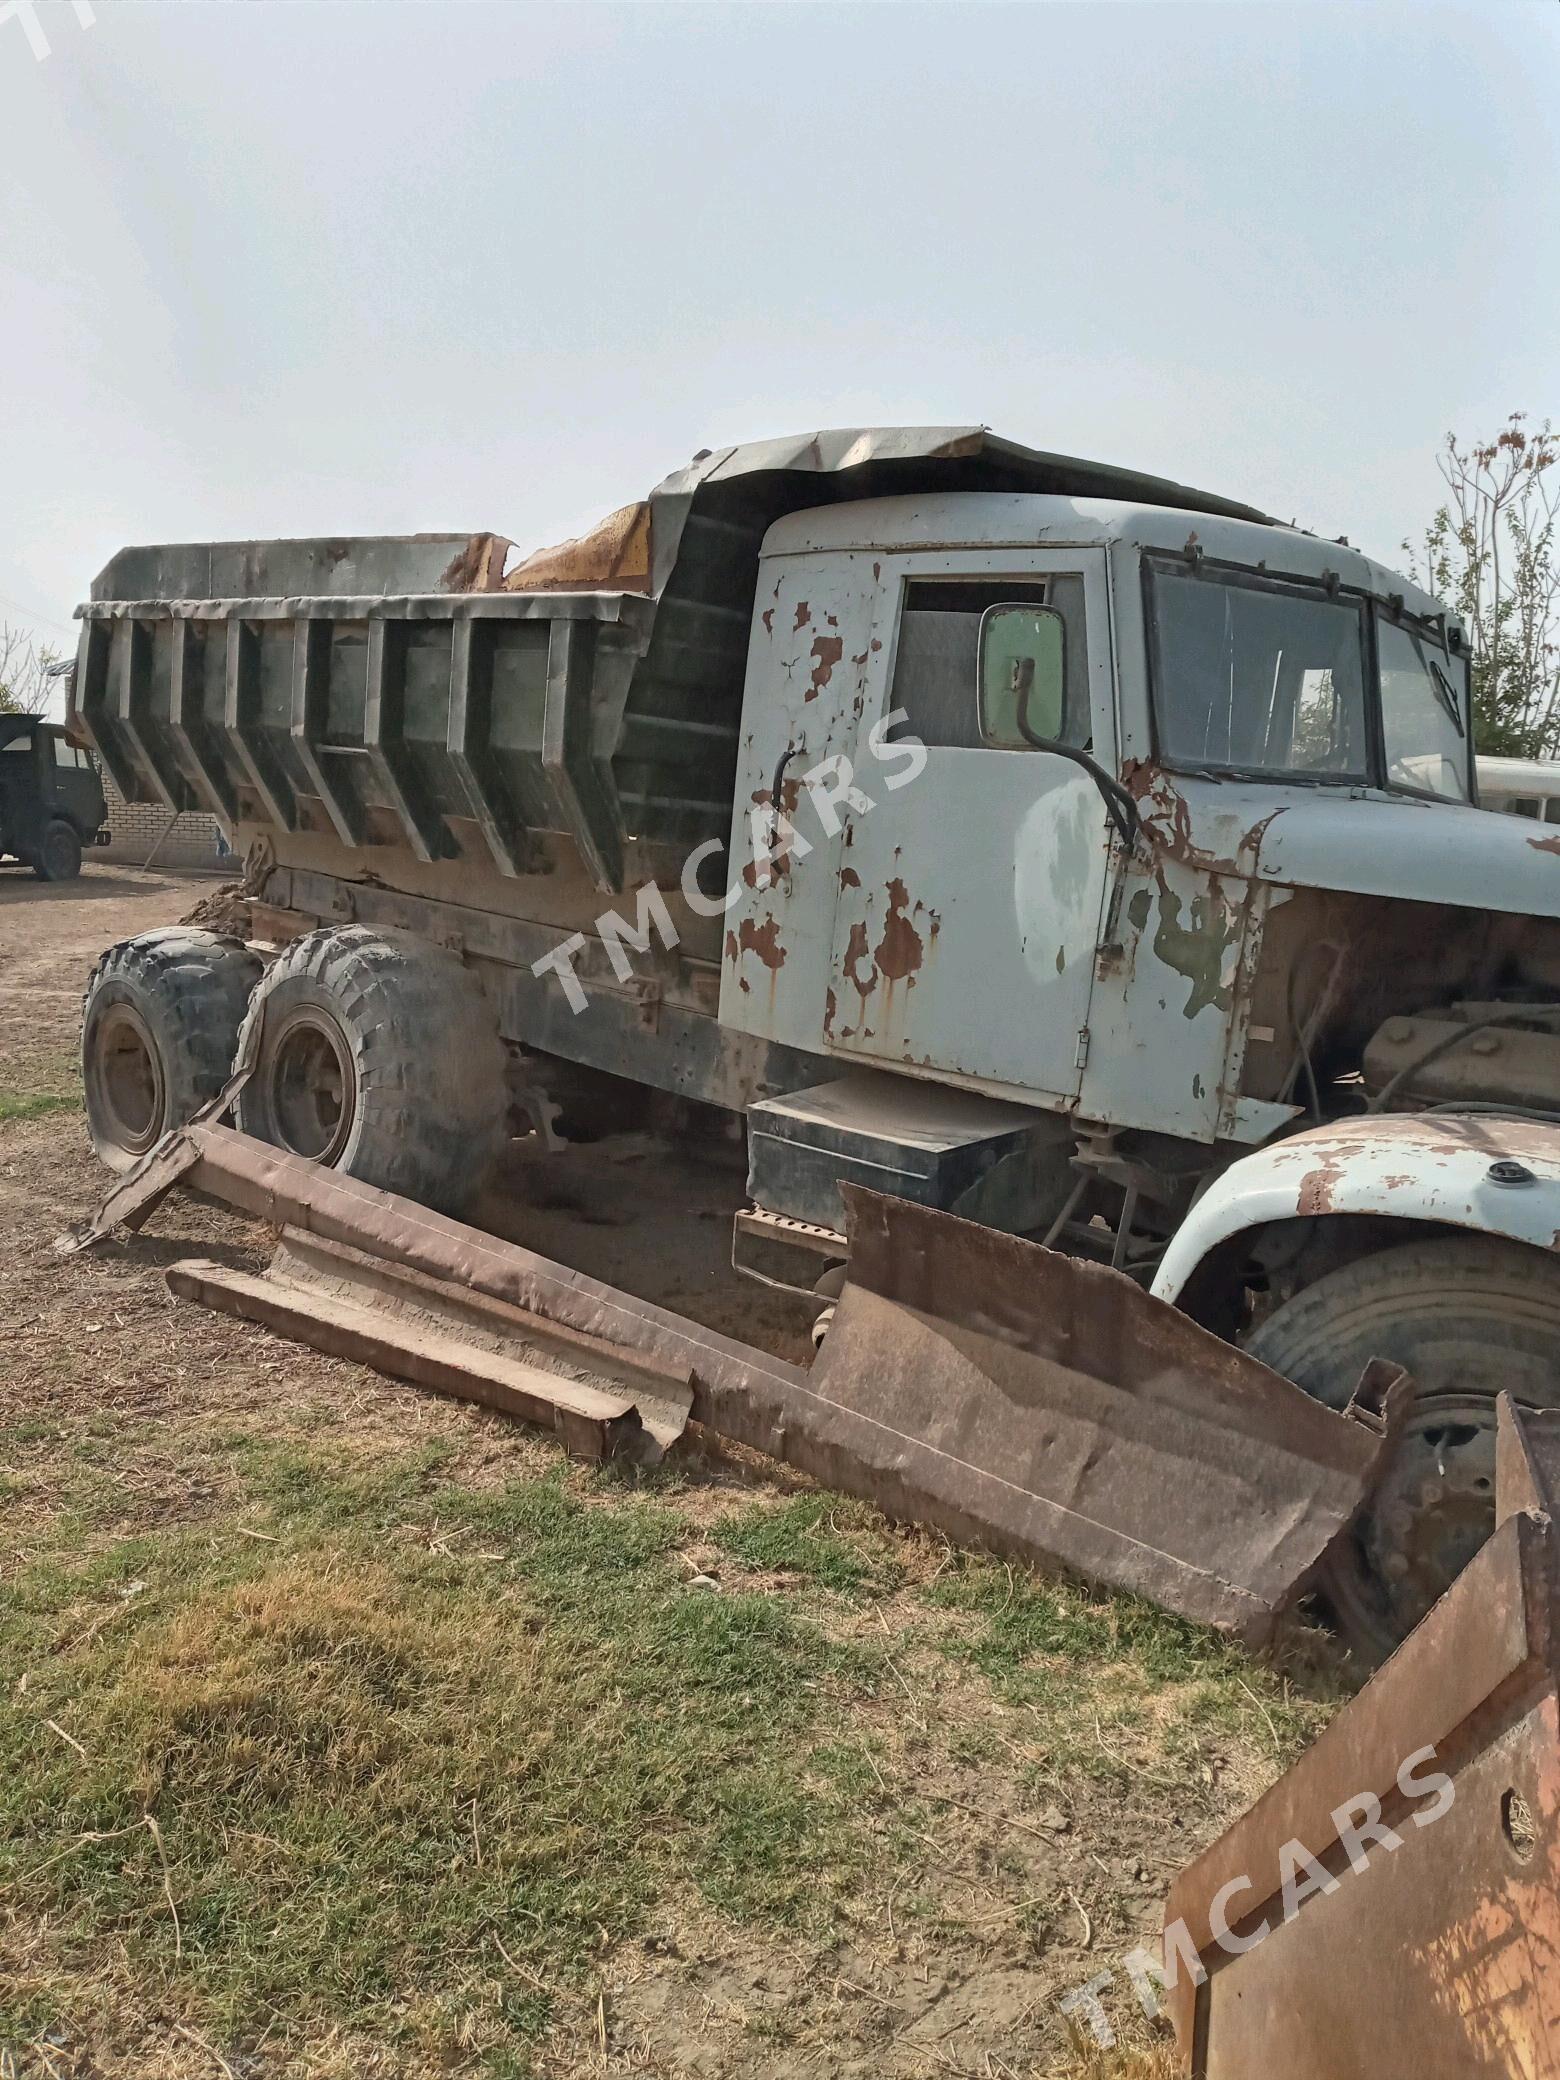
378,1054
370,1051
158,1025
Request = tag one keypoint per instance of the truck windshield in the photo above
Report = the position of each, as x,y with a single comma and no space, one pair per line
1258,677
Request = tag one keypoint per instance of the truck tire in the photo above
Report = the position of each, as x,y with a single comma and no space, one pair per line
378,1054
58,857
159,1025
1468,1316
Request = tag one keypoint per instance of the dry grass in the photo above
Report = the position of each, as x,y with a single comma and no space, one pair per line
366,1753
353,1733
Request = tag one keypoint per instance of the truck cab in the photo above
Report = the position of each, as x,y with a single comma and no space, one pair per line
51,798
1286,720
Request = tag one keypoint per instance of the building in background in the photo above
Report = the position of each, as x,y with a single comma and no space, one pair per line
144,831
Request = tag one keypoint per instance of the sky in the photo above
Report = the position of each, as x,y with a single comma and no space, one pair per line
291,267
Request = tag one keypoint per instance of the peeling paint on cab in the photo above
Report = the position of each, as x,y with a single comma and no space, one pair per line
1198,950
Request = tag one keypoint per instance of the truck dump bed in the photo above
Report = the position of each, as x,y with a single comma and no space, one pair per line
405,691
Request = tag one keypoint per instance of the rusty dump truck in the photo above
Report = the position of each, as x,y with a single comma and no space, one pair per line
1050,845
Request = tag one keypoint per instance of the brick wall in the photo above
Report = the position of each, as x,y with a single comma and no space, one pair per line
137,826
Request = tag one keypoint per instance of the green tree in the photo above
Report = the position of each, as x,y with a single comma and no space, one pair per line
1489,553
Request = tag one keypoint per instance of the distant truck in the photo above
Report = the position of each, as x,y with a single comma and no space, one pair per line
1520,786
1083,854
51,799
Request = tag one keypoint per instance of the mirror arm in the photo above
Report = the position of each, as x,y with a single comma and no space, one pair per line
1122,809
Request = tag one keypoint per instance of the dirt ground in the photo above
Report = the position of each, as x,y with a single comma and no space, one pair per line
1030,1766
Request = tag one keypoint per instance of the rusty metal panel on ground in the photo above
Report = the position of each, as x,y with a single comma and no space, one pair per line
416,1329
1010,1397
1054,1410
1433,1950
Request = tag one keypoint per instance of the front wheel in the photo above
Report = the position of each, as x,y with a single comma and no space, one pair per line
1469,1317
58,857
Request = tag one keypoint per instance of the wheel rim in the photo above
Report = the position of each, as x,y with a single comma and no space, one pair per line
313,1087
1434,1508
125,1080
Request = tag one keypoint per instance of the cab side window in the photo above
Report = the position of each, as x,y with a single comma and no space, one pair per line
22,743
941,659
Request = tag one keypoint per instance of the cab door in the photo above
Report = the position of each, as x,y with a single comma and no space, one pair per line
971,895
73,782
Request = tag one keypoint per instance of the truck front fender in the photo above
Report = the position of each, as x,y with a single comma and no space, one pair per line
1492,1173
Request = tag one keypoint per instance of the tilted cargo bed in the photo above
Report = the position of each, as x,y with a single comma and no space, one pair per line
403,691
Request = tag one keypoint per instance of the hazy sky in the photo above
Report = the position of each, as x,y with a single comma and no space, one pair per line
377,266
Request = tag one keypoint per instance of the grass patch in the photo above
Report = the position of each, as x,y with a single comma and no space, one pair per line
330,1775
804,1537
1108,1674
16,1105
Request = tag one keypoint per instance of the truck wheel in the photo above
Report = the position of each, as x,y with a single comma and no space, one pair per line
158,1029
378,1054
1468,1316
58,857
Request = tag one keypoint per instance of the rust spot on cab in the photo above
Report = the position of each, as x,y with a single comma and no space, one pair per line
768,618
803,615
763,940
1138,777
857,951
827,652
1545,844
899,951
830,1006
849,878
732,949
